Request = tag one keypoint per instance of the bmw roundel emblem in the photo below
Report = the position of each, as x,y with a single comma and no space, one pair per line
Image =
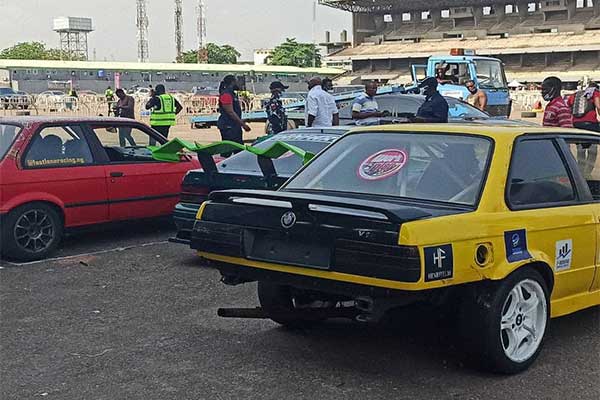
288,219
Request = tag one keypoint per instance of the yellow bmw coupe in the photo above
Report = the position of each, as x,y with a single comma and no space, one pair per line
501,224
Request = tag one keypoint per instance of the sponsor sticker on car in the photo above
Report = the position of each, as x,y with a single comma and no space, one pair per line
564,254
439,262
383,164
515,243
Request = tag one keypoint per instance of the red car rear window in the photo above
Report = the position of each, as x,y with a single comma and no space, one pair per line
8,133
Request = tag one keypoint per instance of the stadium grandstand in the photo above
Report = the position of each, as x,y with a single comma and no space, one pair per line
533,39
35,76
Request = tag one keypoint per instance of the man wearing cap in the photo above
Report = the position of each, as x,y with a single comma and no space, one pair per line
435,108
275,111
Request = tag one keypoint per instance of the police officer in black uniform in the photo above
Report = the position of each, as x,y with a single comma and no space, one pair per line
435,107
275,111
230,121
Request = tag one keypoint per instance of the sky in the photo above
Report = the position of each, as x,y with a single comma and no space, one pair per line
245,24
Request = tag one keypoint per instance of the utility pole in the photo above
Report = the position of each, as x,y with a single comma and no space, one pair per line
201,31
141,23
178,29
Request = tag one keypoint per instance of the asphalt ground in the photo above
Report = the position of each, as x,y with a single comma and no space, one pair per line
122,314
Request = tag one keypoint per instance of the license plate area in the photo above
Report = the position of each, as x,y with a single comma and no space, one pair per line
284,249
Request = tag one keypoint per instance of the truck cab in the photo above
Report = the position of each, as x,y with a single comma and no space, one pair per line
463,65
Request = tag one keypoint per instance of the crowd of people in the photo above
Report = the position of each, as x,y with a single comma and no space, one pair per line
579,110
321,109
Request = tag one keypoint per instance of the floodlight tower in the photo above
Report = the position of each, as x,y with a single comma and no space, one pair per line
201,31
178,28
73,32
142,30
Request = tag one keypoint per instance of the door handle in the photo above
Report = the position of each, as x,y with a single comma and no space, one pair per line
116,174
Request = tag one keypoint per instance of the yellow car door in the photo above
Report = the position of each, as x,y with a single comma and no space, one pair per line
547,192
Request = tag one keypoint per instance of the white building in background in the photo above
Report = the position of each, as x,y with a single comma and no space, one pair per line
261,55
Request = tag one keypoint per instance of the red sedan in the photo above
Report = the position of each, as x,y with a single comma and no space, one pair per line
60,173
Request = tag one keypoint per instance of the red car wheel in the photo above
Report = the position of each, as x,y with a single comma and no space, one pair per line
31,232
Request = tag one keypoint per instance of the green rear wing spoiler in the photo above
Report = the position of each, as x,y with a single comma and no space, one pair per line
172,150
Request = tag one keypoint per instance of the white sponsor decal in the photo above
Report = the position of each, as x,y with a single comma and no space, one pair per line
382,164
564,254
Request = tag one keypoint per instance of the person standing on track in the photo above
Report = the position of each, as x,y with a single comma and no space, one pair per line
230,121
164,109
275,112
557,112
477,98
435,108
125,108
110,98
585,105
365,106
321,110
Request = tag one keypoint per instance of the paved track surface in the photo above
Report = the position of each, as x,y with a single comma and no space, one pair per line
129,316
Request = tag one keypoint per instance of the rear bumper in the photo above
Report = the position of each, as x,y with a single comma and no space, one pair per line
236,273
184,216
237,251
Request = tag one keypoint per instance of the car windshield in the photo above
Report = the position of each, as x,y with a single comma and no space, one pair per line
287,164
446,168
490,74
8,133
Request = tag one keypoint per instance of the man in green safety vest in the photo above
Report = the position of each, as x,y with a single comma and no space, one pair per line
110,99
164,109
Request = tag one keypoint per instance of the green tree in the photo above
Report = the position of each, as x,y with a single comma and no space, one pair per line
188,57
36,51
296,54
224,54
57,54
25,51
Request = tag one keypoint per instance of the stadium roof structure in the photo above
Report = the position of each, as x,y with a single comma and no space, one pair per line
516,44
396,6
163,67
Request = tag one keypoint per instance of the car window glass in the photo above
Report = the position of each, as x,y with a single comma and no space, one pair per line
58,146
8,133
538,175
288,163
460,109
446,168
585,153
404,106
125,143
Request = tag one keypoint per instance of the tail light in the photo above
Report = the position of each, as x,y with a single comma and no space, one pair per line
193,194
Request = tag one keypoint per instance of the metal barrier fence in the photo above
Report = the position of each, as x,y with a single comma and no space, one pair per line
526,99
92,105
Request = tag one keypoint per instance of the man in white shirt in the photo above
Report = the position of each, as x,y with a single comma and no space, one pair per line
321,110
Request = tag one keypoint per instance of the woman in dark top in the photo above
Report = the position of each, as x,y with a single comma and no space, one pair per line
230,122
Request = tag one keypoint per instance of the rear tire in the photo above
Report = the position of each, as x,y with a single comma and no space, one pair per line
277,301
503,324
31,232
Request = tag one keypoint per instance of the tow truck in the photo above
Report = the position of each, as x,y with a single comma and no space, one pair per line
464,65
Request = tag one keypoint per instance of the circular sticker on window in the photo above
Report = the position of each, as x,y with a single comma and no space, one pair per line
382,164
